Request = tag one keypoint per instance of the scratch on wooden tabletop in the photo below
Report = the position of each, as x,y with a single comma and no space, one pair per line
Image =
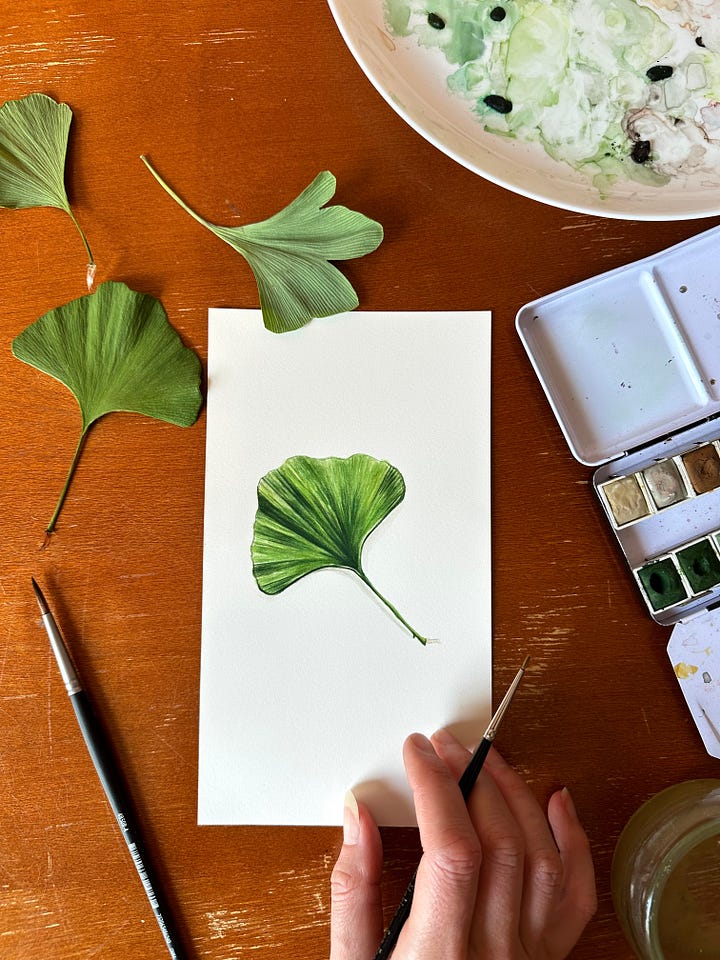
26,902
554,613
247,930
83,615
66,824
579,225
170,718
60,910
222,36
229,37
312,923
587,224
123,615
82,48
645,720
8,782
6,652
594,236
547,622
222,923
173,749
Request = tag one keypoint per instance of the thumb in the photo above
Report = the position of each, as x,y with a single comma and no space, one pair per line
578,901
356,923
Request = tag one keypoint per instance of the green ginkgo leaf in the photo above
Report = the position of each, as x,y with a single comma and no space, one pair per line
33,144
290,253
115,351
318,513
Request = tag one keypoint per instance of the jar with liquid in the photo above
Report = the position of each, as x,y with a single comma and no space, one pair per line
666,874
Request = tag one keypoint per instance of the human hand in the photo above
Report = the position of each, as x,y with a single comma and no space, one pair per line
496,881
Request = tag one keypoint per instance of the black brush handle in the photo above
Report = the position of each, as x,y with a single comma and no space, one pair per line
392,933
472,770
466,783
117,796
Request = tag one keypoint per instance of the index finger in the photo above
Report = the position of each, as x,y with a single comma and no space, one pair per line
447,878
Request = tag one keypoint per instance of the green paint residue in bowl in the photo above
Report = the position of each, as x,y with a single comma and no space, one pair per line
606,86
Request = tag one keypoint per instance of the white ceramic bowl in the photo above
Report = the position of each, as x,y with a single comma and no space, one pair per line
412,80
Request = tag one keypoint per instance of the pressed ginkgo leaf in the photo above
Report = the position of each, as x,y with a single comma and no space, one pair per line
290,253
115,351
314,513
33,144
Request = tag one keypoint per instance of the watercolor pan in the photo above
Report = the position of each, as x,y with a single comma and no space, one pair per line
700,564
630,363
665,482
626,499
662,583
703,468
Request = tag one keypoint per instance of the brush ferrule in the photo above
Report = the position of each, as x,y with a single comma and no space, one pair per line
504,704
67,671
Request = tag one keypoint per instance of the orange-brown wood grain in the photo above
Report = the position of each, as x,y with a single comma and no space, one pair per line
239,106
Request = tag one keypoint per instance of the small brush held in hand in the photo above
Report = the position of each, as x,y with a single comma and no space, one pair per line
466,783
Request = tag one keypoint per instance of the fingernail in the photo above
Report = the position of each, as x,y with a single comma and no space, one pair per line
568,801
444,736
351,820
422,744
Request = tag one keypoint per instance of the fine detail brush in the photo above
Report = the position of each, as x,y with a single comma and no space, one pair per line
466,783
108,773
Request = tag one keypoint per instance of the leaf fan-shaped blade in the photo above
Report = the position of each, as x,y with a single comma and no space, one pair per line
33,146
295,289
115,351
33,143
318,513
335,233
290,253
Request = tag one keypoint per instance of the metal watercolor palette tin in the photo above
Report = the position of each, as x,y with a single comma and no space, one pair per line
630,363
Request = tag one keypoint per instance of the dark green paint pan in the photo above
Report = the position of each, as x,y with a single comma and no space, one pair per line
701,565
662,583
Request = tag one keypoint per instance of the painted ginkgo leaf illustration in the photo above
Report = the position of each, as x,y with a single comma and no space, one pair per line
315,513
116,352
290,253
33,145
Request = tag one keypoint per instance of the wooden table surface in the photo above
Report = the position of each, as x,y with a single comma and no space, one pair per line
239,106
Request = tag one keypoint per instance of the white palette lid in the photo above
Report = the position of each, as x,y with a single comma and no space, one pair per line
632,354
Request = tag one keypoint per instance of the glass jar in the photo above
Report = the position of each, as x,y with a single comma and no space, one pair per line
666,874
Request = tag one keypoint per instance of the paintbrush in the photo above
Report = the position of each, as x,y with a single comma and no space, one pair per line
107,771
466,783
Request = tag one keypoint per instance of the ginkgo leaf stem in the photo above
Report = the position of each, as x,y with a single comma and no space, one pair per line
391,608
51,526
176,197
91,260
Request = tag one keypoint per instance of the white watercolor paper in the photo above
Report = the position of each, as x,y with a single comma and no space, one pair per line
312,691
